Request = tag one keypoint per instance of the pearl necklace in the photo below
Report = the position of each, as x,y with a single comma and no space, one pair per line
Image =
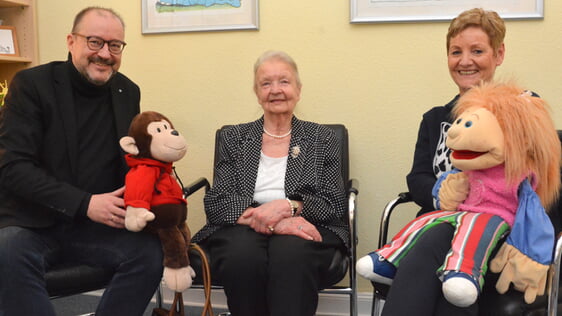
278,136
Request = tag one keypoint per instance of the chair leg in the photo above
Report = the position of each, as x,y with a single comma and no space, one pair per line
159,296
377,306
353,304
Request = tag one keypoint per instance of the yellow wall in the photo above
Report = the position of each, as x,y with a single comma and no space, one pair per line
377,79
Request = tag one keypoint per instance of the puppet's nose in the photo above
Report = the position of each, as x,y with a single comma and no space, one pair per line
175,133
453,132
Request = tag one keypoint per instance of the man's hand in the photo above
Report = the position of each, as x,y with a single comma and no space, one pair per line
108,208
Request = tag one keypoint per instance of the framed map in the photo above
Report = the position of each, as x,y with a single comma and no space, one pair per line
369,11
163,16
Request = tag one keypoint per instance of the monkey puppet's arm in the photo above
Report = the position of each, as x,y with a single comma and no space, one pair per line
136,218
139,188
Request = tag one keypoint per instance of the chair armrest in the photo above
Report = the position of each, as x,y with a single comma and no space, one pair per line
352,192
195,186
554,278
352,186
403,197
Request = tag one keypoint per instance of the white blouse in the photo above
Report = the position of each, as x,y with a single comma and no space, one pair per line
270,183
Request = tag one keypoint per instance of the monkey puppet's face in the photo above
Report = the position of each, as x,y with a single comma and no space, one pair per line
167,144
477,140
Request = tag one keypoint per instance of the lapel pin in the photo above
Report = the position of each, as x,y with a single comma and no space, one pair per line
295,151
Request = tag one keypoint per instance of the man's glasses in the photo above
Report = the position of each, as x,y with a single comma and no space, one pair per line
96,43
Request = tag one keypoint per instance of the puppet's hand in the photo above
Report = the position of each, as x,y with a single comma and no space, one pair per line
527,275
137,217
453,191
180,279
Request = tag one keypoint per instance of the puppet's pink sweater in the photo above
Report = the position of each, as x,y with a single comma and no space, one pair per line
490,193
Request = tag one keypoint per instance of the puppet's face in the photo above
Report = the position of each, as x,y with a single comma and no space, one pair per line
477,140
167,144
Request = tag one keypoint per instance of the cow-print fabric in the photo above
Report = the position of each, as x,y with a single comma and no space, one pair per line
442,160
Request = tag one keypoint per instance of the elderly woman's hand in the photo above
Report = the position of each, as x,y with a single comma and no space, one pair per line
299,227
264,217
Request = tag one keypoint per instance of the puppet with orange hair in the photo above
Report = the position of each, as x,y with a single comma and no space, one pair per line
505,143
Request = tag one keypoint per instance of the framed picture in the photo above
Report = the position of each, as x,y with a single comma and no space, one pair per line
368,11
8,41
163,16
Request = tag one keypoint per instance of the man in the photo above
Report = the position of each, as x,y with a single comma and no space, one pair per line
62,175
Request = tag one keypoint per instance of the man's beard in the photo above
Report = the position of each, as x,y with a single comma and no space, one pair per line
98,60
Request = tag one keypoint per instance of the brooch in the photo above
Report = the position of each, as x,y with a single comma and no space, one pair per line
295,151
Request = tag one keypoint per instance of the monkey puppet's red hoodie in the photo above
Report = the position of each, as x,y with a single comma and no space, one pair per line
150,183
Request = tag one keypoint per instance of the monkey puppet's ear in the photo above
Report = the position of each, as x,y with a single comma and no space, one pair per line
128,144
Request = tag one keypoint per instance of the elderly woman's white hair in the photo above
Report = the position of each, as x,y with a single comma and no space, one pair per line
277,55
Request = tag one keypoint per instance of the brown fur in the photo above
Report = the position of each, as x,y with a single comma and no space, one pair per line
138,131
170,222
173,232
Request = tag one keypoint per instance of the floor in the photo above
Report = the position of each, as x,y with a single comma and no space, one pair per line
81,305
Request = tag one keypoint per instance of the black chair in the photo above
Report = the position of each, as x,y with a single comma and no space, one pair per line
342,264
65,279
490,302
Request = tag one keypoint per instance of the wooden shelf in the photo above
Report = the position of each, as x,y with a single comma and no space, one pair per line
20,14
11,59
14,3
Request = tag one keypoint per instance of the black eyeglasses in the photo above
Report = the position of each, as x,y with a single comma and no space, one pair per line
97,43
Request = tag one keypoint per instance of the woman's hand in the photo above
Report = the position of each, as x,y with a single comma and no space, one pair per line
265,217
299,227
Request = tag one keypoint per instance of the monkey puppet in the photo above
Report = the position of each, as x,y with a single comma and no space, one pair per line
505,143
153,198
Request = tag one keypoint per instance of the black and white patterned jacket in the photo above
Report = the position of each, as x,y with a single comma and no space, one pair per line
313,176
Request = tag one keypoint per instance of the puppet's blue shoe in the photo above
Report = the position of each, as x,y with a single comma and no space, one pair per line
460,289
375,268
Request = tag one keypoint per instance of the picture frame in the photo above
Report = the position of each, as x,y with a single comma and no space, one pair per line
164,16
380,11
8,41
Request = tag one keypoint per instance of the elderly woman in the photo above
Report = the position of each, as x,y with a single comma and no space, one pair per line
475,48
275,210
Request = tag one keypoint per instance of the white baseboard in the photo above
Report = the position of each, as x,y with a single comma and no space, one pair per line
328,304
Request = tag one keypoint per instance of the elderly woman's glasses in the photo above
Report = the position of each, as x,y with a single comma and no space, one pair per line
96,43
